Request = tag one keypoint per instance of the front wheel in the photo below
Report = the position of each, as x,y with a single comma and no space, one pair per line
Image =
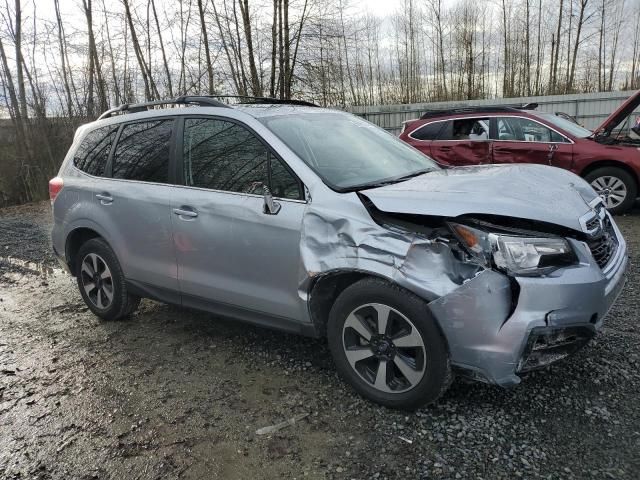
386,344
616,187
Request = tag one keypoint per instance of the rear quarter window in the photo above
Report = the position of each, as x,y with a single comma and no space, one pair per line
92,154
429,131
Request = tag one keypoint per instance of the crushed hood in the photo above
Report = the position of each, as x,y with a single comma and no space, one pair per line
529,191
622,112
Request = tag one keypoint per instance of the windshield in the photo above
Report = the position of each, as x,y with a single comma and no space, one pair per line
566,125
347,152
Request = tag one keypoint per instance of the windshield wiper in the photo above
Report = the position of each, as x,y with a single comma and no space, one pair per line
390,181
414,174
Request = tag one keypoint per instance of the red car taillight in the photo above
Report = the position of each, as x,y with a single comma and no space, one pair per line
55,186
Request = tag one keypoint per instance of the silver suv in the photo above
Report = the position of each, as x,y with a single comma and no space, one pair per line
317,222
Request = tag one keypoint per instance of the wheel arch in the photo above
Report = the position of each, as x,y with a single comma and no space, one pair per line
610,163
326,287
75,239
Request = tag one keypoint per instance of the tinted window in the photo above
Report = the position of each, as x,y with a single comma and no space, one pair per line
223,156
93,153
465,129
428,132
447,131
525,130
142,152
283,183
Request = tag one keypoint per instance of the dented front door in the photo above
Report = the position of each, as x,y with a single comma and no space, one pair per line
524,140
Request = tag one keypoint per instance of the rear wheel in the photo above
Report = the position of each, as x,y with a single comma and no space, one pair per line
616,187
101,281
386,344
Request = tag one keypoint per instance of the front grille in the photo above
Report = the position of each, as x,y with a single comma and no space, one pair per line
605,245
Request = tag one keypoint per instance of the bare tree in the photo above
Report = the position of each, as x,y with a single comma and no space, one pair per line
164,53
150,89
582,18
256,84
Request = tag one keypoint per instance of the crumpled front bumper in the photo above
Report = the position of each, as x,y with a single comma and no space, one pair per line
497,327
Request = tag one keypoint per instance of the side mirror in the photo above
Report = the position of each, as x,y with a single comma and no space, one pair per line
271,207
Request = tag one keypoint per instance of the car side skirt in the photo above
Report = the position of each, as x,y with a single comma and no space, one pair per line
223,309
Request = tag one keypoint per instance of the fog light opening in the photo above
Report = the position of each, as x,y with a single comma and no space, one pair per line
546,346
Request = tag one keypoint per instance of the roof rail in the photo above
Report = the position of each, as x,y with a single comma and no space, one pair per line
479,109
266,100
473,109
203,101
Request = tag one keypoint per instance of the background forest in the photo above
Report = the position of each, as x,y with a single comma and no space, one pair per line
63,62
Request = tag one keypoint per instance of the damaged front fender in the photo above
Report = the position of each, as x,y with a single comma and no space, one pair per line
350,240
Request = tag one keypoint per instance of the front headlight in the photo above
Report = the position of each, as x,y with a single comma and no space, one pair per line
516,254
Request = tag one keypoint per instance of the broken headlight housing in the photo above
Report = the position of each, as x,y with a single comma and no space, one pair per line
515,254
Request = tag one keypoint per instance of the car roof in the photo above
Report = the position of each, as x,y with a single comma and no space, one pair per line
236,111
271,110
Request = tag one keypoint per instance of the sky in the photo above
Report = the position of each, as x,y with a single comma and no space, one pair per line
377,7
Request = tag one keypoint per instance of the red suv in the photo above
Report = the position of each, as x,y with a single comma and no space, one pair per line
608,159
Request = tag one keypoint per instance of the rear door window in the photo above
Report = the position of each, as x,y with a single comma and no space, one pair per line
465,129
92,154
142,152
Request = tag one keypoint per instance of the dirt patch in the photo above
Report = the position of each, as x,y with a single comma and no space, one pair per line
174,393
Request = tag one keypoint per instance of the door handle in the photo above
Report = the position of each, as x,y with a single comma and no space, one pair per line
182,212
105,198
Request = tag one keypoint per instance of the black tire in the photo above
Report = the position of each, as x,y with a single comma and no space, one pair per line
122,303
437,374
622,175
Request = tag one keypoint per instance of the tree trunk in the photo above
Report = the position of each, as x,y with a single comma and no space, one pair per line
14,106
274,47
63,63
554,68
601,60
227,50
22,96
294,59
148,89
205,38
256,84
527,50
583,6
95,70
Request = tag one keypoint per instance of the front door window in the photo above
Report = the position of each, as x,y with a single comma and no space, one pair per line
526,130
222,155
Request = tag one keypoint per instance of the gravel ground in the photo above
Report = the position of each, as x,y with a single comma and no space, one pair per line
174,393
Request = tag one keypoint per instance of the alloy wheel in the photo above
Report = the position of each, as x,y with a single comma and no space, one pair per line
384,347
612,190
97,281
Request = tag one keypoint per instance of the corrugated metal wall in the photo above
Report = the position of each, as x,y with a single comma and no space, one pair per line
590,109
